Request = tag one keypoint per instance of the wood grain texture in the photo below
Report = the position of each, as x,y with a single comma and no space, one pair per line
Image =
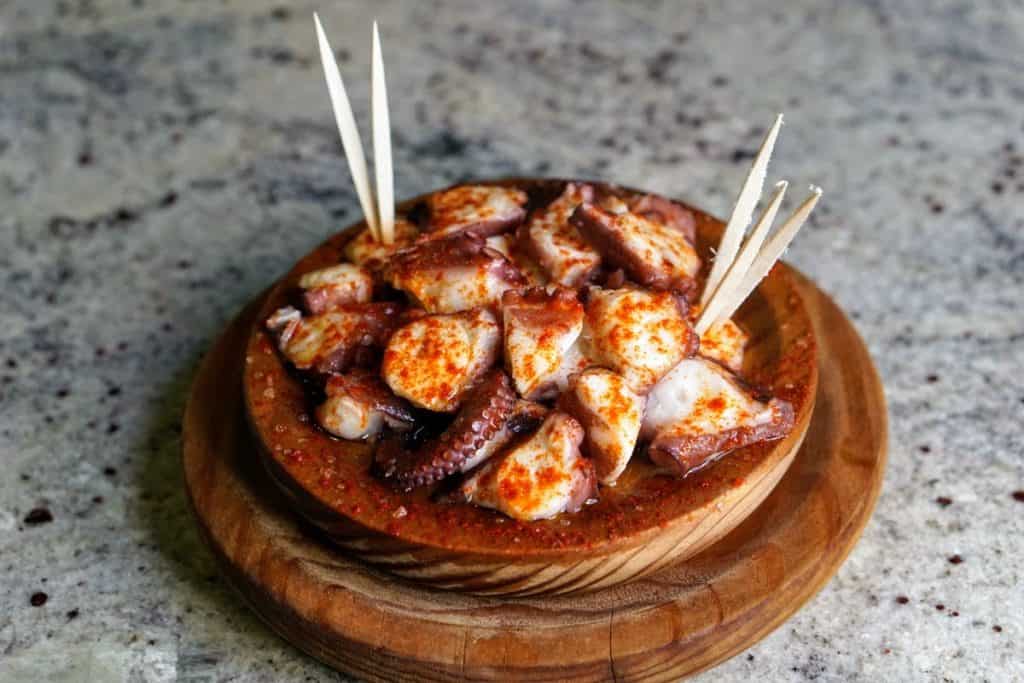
634,529
673,623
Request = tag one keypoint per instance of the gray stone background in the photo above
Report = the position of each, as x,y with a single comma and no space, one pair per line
161,162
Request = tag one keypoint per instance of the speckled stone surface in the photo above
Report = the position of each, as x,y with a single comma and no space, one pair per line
162,162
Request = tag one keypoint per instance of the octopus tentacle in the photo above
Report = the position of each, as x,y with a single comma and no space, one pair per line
487,408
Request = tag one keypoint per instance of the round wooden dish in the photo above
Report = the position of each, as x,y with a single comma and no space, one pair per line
643,524
679,621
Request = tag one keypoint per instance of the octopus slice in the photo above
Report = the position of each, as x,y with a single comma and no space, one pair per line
364,250
502,244
724,342
540,328
448,276
476,209
358,406
668,213
612,203
538,478
512,247
652,253
639,334
526,416
433,360
556,244
701,410
329,287
334,341
488,420
610,413
283,323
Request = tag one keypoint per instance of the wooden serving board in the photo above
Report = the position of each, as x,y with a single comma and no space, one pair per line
676,622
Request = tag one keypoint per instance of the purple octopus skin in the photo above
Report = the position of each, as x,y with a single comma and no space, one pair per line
482,418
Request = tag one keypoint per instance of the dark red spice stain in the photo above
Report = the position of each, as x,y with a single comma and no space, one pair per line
944,501
997,628
38,599
955,559
925,449
902,599
1018,496
932,379
940,607
38,516
124,215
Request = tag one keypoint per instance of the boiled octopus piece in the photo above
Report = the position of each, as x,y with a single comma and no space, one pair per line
638,333
701,410
435,359
502,244
359,405
556,244
457,274
610,413
668,213
475,209
537,478
652,253
327,288
335,340
725,342
511,247
283,323
483,426
366,251
540,328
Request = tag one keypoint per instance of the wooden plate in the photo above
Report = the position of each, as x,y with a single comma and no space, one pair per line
679,621
644,523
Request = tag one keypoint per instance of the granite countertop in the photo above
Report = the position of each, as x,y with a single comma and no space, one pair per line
162,162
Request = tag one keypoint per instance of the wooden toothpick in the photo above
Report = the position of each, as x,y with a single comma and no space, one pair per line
382,143
767,257
739,267
347,128
742,212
